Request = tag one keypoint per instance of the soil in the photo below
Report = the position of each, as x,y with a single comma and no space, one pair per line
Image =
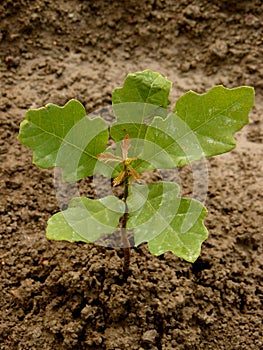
57,295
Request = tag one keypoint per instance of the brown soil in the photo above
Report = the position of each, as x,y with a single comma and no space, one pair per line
57,295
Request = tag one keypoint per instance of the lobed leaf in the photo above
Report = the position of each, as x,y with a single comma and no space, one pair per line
215,116
201,126
86,219
143,95
146,87
64,137
167,222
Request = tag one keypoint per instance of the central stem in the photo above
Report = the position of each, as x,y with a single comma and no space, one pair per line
124,219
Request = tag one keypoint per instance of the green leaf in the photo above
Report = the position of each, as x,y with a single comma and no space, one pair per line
146,87
64,137
201,126
86,219
215,116
143,96
167,222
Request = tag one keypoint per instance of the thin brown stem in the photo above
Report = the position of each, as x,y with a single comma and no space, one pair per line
124,235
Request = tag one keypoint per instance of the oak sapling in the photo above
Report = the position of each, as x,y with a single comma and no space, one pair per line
147,136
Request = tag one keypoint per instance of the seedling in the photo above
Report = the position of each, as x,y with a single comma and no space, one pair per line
147,136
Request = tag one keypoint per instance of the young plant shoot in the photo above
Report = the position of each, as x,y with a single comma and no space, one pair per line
145,136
